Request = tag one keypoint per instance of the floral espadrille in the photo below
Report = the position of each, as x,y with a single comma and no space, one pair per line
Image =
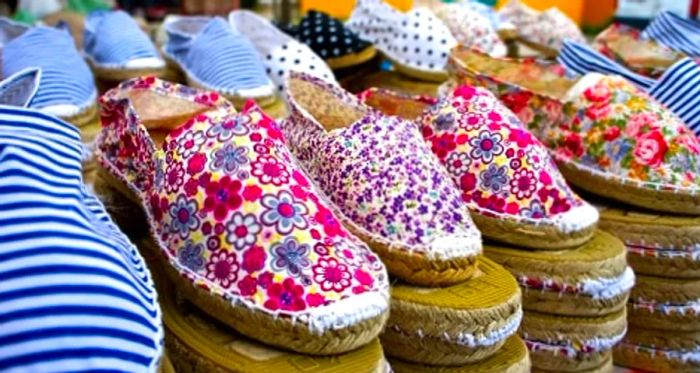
471,29
247,237
543,31
386,185
509,182
417,42
608,137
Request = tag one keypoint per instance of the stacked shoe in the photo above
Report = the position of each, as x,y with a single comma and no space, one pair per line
614,141
391,191
241,232
574,279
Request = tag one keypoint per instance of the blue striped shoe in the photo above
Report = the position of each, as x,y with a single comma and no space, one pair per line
117,49
75,295
675,32
67,88
216,58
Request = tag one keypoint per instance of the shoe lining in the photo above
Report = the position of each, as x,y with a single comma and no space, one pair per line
392,104
327,109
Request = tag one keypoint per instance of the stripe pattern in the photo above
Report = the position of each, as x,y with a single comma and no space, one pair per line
675,32
114,38
65,77
678,88
216,57
75,295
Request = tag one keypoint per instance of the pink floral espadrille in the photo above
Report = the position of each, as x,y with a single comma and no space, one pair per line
608,136
244,233
386,185
510,183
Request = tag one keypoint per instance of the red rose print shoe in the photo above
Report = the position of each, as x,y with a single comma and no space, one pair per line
608,137
386,185
512,187
246,236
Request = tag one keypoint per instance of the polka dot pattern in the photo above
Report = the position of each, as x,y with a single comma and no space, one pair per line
326,35
417,39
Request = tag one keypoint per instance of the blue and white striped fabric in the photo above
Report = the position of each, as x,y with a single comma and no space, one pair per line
20,88
113,38
675,32
678,88
75,295
66,80
215,56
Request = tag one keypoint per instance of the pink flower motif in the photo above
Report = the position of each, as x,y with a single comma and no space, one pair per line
174,177
523,184
222,268
254,259
269,171
598,111
315,300
331,275
651,149
248,286
598,93
636,123
286,296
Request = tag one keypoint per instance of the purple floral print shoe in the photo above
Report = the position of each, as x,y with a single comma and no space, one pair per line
387,186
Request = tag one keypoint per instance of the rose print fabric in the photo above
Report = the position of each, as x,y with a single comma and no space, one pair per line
378,171
233,212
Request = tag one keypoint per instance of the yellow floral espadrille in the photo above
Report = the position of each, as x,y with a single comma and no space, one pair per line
572,344
454,325
592,279
659,351
511,358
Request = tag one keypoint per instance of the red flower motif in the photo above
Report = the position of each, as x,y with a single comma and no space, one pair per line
223,268
560,205
516,101
364,278
611,133
196,163
300,179
265,279
331,226
299,192
521,137
222,197
443,144
331,275
286,296
574,143
467,182
427,132
254,259
315,300
269,171
252,193
598,93
651,149
598,111
191,187
248,286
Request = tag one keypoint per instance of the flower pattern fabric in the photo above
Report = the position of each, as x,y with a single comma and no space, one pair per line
471,29
549,28
246,224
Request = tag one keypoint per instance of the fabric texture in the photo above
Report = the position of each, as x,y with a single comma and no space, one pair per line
379,172
471,29
19,89
549,28
215,56
417,39
278,51
76,294
326,36
676,32
678,88
112,38
237,216
497,21
66,80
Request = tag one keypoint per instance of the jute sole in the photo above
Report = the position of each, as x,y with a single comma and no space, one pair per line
657,200
426,323
85,117
574,331
605,367
652,350
438,77
352,59
118,75
166,366
511,358
198,343
664,290
539,237
601,257
277,331
645,229
543,50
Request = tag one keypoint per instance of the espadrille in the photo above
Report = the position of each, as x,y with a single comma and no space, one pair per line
217,58
506,30
198,343
608,136
592,279
386,185
455,325
624,44
330,39
512,357
510,184
659,351
542,31
471,29
117,49
665,303
67,88
246,236
417,42
572,344
279,52
657,245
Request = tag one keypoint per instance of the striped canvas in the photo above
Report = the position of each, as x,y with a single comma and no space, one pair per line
675,32
75,295
113,38
678,88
